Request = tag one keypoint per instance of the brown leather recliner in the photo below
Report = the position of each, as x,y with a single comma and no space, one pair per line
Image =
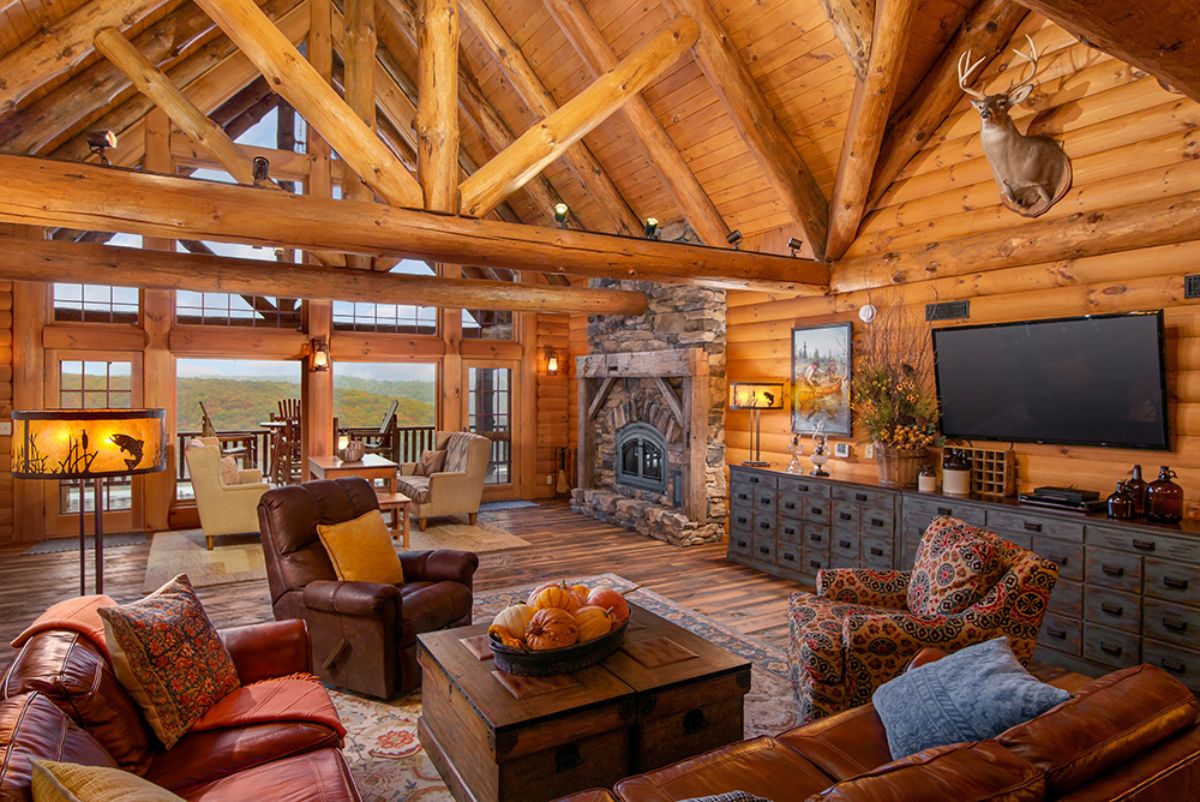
364,634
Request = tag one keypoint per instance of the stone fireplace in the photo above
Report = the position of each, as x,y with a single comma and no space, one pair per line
651,417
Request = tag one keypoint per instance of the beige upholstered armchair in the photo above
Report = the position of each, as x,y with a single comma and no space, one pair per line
226,496
454,490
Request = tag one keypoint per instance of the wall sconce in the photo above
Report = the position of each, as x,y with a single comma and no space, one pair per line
99,142
561,212
318,355
651,228
794,245
552,366
734,238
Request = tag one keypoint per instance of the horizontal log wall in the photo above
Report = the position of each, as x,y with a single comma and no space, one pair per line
553,392
1130,141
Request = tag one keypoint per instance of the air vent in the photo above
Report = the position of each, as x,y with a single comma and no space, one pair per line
1191,286
949,310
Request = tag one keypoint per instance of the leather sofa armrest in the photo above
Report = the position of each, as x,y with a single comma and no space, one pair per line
924,657
590,795
273,649
443,565
351,598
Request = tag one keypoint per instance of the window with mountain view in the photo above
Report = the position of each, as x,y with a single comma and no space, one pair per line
363,392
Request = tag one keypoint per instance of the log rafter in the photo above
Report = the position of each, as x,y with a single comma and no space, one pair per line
853,24
437,103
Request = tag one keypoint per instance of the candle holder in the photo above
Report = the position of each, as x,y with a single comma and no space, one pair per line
797,451
820,454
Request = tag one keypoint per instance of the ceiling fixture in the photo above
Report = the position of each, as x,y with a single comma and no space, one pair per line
99,143
561,212
734,238
794,245
651,228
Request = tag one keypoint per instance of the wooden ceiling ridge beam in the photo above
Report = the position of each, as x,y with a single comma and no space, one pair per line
582,162
358,85
869,110
295,79
985,32
61,45
853,23
586,37
550,137
437,104
1161,37
68,261
50,193
756,123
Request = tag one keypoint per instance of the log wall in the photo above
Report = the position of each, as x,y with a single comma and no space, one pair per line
1130,141
553,392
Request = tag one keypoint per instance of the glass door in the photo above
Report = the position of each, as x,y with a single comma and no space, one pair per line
93,380
490,412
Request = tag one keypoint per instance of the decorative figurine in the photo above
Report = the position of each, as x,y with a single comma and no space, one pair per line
796,450
1164,498
1120,503
820,454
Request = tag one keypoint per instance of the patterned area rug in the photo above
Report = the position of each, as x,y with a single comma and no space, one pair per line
234,558
497,506
479,538
389,764
56,545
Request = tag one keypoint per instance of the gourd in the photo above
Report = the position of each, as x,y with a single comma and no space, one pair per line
551,628
505,637
593,622
557,596
533,594
608,599
580,591
514,618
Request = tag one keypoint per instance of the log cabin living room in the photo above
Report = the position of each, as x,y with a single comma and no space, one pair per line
818,382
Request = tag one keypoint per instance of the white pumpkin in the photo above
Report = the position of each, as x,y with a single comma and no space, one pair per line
515,618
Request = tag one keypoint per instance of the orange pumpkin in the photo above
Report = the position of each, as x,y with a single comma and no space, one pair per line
551,628
558,597
580,591
609,599
533,594
593,622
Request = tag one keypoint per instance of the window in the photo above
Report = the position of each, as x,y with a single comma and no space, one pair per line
363,392
98,303
233,309
389,318
488,324
489,413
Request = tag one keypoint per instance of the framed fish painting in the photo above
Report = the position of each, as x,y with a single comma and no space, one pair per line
821,379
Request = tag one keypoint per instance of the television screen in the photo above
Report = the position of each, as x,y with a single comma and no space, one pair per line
1095,380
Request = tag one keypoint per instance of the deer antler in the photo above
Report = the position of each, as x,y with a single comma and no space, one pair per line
965,68
1032,58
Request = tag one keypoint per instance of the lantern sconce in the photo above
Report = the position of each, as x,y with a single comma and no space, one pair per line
552,362
318,355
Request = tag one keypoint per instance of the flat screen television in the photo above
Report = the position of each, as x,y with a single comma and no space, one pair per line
1098,380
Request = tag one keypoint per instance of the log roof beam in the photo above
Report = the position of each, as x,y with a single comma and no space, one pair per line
437,103
48,193
853,23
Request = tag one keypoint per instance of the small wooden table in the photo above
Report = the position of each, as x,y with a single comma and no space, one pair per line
396,504
370,467
608,721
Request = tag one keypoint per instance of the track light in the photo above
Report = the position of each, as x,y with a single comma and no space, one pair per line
99,142
794,245
561,212
734,238
262,170
651,228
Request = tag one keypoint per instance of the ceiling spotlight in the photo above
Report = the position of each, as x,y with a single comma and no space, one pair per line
734,238
262,170
651,228
794,245
561,212
101,141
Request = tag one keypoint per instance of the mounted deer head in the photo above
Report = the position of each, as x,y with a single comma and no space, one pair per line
1033,171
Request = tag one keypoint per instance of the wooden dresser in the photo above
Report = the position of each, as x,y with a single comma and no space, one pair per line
1128,592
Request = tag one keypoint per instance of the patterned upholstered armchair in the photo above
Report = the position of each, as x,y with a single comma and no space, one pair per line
862,627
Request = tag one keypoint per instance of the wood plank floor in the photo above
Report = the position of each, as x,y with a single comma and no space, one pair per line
564,544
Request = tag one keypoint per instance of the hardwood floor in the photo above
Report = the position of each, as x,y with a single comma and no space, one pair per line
564,544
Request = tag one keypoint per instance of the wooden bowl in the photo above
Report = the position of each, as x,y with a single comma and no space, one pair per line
556,661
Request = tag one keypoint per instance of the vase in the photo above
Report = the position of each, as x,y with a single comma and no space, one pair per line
898,467
353,452
1164,498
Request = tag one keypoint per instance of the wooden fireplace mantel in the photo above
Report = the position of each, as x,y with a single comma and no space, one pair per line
644,364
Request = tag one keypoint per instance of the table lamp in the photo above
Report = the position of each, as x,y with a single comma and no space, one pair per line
756,396
84,444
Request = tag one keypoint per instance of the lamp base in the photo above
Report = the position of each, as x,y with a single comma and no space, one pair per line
755,463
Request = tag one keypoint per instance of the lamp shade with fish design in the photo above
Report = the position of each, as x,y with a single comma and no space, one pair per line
87,443
755,395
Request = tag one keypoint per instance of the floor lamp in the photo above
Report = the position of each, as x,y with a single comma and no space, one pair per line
88,444
756,396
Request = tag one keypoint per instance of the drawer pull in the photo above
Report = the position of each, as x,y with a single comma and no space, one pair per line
817,510
743,496
765,500
1112,570
755,480
742,544
1175,584
877,522
876,551
742,519
789,505
764,524
1112,609
1061,559
1173,665
814,563
945,511
787,555
802,488
1143,545
1058,634
845,516
1030,526
1174,624
816,538
844,544
1108,647
788,530
860,496
567,758
763,550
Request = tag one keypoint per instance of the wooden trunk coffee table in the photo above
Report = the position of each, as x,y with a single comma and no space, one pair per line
666,695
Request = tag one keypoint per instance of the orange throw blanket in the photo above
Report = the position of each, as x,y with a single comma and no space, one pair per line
299,697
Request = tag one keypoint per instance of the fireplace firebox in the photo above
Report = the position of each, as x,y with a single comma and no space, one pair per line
642,459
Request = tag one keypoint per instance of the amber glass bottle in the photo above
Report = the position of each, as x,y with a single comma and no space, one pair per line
1136,488
1165,498
1120,503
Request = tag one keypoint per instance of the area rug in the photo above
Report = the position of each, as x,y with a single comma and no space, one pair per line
56,545
234,558
479,538
499,506
389,764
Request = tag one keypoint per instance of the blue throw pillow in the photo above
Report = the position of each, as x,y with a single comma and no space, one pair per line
971,695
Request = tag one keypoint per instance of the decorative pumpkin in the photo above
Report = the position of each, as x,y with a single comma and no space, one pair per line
533,594
515,617
551,628
581,591
593,622
557,596
505,637
609,599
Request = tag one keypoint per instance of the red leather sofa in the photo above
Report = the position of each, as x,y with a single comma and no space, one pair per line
61,700
1133,736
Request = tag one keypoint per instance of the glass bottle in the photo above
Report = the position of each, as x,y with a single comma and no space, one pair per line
1120,503
1164,498
1136,487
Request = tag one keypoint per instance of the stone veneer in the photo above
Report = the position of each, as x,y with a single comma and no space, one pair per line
678,317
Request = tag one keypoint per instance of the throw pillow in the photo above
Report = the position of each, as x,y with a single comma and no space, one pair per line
361,550
169,657
229,471
728,796
431,462
70,782
956,565
971,695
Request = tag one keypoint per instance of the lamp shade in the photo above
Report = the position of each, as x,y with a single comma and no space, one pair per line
87,443
755,395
